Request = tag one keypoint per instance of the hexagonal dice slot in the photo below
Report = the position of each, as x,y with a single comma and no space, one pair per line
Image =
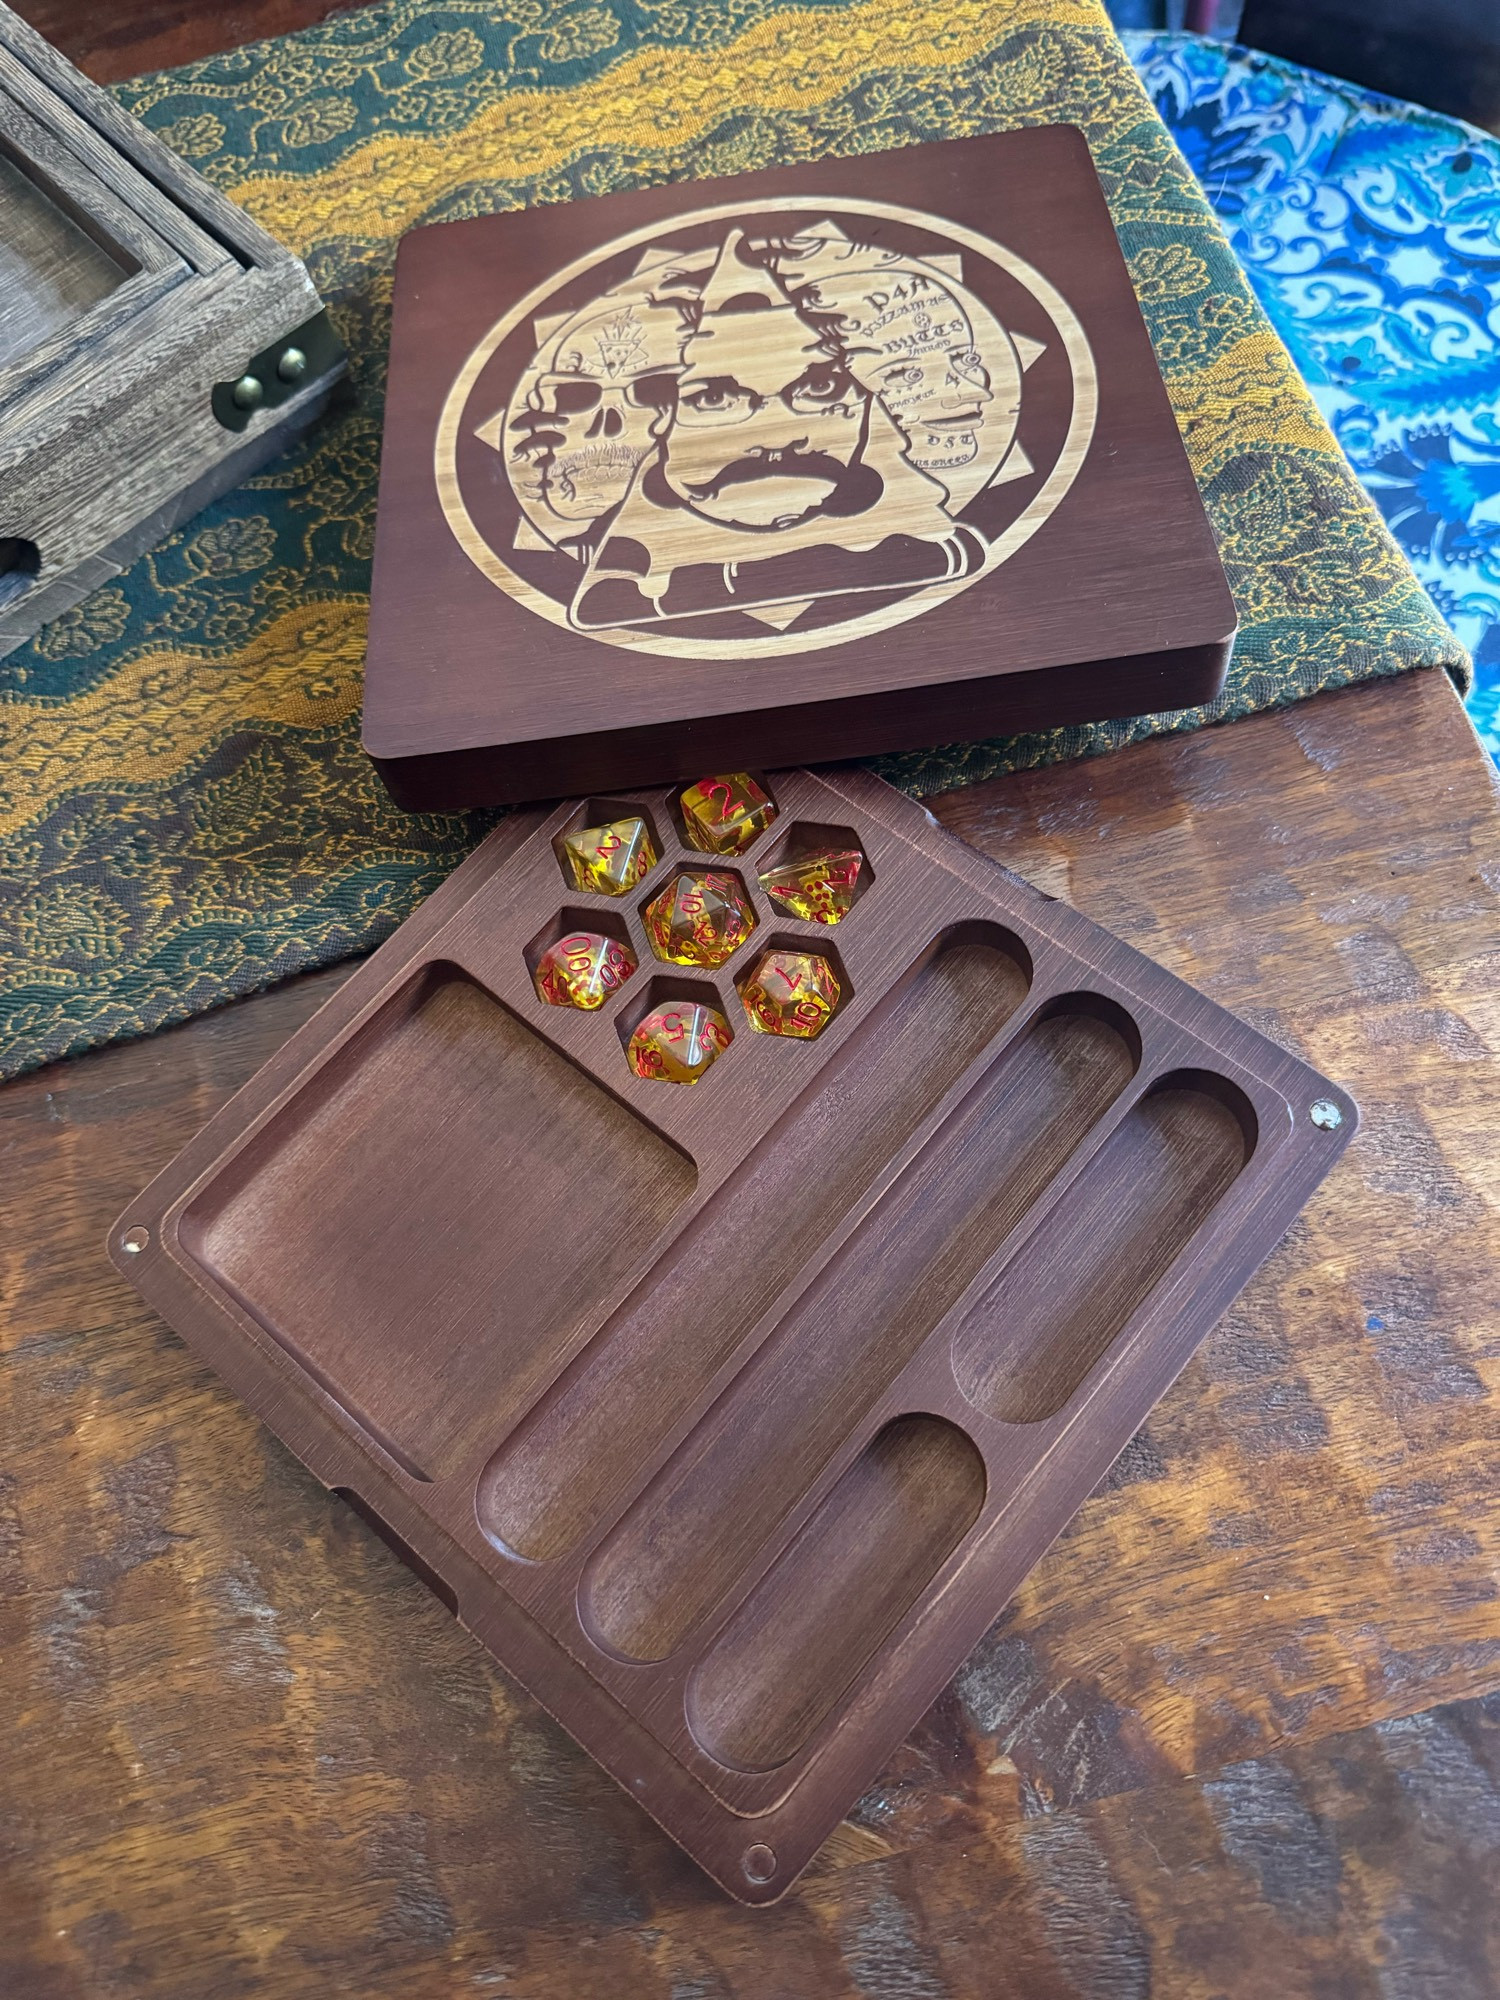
816,873
581,959
726,813
700,916
793,988
608,848
675,1032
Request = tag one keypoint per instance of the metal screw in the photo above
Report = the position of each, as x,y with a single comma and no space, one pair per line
759,1863
1326,1115
135,1240
249,393
293,365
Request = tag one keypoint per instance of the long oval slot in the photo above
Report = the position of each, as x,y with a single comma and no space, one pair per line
1026,1347
814,1622
855,1328
557,1474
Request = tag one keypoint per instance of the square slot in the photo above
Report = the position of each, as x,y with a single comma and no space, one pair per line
409,1226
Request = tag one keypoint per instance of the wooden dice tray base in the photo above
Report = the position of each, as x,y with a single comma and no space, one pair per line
728,1417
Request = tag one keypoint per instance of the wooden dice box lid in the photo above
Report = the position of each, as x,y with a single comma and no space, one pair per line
137,308
621,539
728,1417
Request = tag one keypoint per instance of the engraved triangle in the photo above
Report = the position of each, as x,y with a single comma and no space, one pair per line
526,537
949,262
779,615
490,433
1014,465
656,259
546,324
1027,349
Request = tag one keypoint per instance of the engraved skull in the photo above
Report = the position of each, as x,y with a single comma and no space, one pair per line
582,417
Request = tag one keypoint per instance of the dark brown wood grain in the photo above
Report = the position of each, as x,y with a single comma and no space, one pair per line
128,37
1232,1735
581,578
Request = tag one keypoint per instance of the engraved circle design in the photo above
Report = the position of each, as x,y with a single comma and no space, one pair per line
751,432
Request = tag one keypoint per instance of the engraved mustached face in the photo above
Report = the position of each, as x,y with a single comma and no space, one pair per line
767,423
768,427
760,430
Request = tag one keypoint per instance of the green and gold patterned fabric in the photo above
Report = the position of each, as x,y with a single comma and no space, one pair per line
186,813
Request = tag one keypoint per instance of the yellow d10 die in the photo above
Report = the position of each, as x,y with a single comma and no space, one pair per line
723,815
791,993
582,970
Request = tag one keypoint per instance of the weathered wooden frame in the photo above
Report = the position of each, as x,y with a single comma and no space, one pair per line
109,435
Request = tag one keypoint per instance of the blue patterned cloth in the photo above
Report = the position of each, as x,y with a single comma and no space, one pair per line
1371,231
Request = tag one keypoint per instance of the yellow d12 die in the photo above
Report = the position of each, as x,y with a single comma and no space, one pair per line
582,970
609,860
791,993
702,917
676,1042
723,815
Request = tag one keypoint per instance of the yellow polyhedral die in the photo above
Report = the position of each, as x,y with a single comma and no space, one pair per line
723,815
609,860
677,1042
702,917
817,888
791,993
582,970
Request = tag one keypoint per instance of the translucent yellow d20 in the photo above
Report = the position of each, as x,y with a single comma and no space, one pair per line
582,970
676,1042
609,860
818,888
723,815
702,917
791,993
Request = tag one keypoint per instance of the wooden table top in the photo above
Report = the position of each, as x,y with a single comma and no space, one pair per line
1235,1737
1238,1736
129,37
